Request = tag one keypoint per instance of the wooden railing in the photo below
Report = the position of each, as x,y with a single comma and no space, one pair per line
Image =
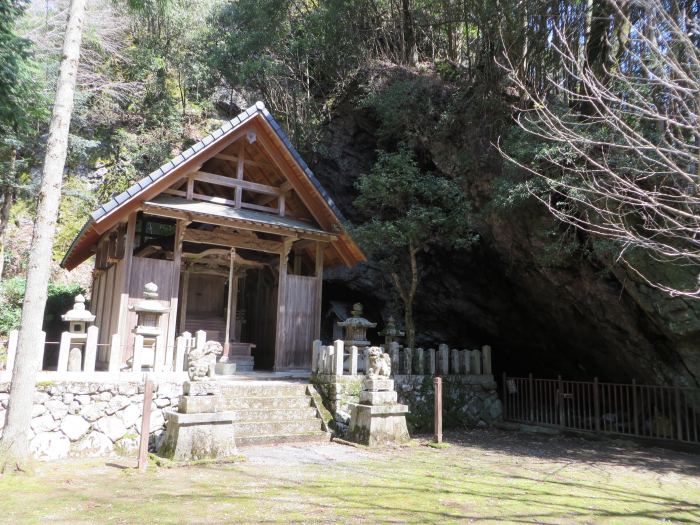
336,360
648,411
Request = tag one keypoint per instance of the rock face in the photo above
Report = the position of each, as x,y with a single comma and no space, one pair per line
544,307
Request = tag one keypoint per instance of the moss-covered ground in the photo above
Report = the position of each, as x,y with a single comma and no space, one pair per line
484,477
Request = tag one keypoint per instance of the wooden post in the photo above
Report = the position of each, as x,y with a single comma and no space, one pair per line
11,350
122,328
319,290
145,424
231,277
281,300
183,299
169,343
115,353
634,407
560,400
530,394
91,349
437,382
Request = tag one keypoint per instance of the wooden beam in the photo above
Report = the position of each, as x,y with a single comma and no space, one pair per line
285,188
221,200
232,240
222,180
239,224
190,188
234,158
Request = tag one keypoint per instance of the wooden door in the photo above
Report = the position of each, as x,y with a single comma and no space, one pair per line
299,322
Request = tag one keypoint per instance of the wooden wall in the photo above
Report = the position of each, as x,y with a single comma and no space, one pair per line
144,271
299,322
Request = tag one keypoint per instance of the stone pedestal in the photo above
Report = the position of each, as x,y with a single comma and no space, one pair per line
378,419
198,436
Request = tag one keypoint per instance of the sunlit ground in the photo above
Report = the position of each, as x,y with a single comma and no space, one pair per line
484,477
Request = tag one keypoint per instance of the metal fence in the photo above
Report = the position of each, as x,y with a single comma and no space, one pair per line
658,412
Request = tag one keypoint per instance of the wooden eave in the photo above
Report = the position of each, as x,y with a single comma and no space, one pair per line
276,145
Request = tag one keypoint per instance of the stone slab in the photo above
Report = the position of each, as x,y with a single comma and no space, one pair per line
379,410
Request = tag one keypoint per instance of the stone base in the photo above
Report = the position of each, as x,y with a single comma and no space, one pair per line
198,436
376,425
378,398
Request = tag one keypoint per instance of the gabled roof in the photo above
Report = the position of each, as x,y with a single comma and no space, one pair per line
257,117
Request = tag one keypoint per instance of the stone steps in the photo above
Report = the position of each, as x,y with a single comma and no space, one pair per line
306,437
262,412
276,428
243,363
275,415
216,403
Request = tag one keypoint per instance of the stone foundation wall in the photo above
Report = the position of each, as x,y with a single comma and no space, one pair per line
88,419
468,401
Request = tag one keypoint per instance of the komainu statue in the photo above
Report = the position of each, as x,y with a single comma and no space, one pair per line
379,362
201,361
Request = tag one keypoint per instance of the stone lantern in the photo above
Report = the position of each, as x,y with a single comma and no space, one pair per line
390,332
148,343
70,358
78,318
356,328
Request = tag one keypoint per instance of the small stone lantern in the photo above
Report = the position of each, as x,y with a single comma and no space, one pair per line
356,328
78,318
390,332
148,343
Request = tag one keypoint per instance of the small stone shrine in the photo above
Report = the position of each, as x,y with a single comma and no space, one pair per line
149,344
378,419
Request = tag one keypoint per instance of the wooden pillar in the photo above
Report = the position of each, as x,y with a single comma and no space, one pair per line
230,300
122,287
169,343
319,289
183,299
281,299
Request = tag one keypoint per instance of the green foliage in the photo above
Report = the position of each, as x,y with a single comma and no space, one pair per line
410,208
59,301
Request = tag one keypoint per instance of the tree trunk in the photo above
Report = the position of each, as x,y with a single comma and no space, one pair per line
7,201
409,36
15,443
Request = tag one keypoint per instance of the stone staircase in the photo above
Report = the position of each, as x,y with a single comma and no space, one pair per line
263,412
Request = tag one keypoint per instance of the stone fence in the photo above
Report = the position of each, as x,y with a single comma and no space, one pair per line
93,419
335,360
470,396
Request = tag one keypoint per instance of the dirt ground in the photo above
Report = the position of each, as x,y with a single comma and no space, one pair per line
485,476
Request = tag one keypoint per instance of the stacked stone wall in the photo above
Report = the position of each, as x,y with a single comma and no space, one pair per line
91,419
469,401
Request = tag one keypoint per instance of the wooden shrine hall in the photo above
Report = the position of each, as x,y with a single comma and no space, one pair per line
235,232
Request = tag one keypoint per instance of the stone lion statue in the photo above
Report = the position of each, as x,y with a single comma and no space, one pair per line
201,361
379,363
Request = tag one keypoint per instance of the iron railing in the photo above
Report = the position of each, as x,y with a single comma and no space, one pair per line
648,411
